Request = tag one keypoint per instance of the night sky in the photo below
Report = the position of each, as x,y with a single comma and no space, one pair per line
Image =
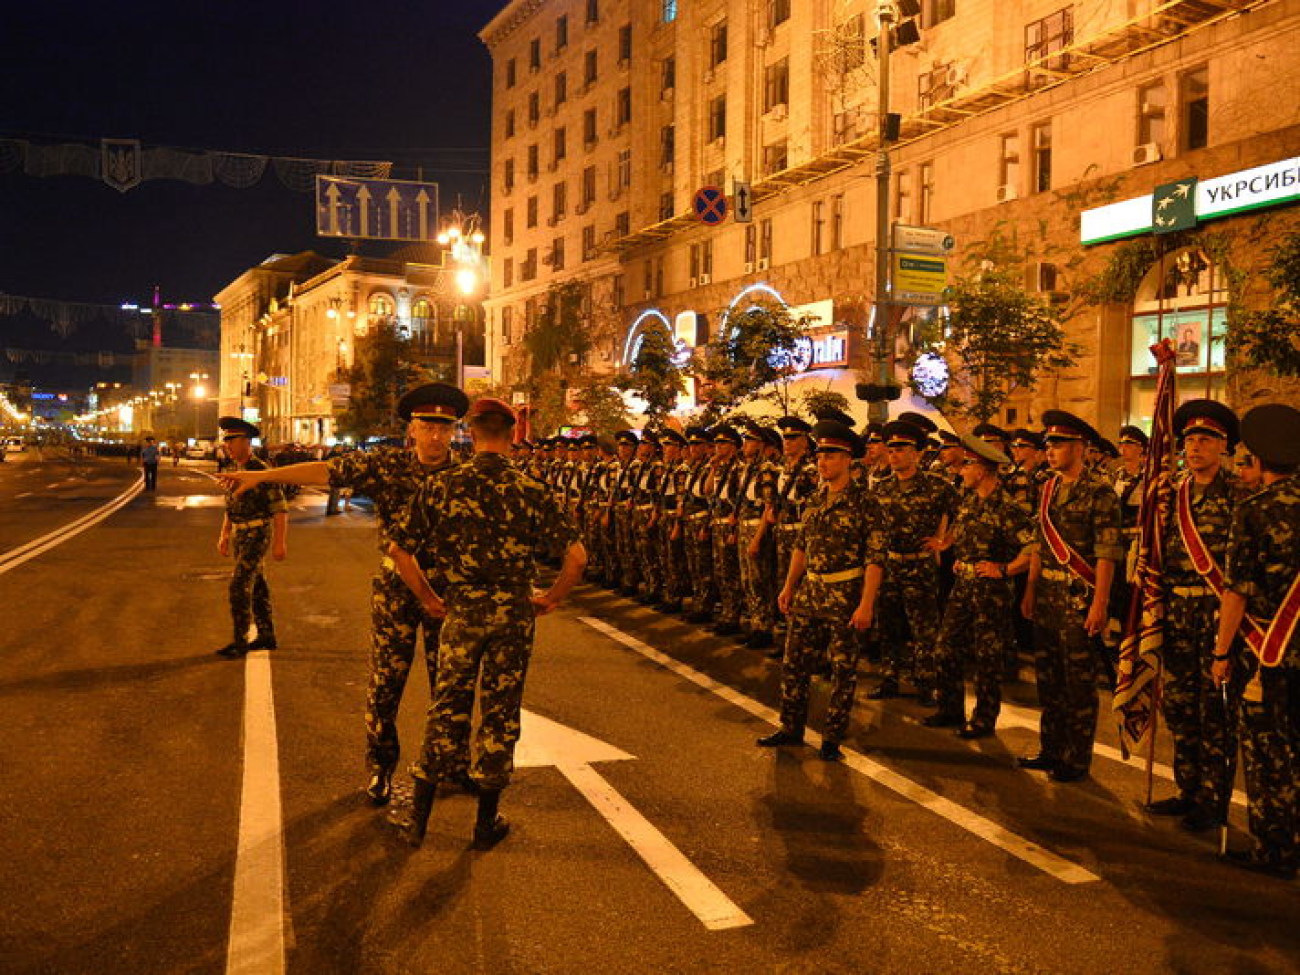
366,79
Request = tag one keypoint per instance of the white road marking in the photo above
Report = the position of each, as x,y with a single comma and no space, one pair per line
1019,847
546,742
23,553
25,494
256,943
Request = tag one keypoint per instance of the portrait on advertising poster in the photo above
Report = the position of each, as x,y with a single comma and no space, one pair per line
1187,348
1198,335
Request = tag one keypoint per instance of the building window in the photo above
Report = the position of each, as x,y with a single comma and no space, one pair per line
667,146
534,108
557,254
588,242
508,227
622,224
706,257
618,291
559,200
776,85
532,162
717,43
507,323
590,68
925,212
1151,114
422,310
561,33
818,226
589,186
528,270
625,44
381,306
765,240
1045,37
648,277
624,111
589,135
668,11
561,89
718,118
508,175
624,168
935,86
937,11
715,177
593,11
510,124
903,197
530,212
507,272
850,45
561,149
666,205
778,12
512,74
1009,167
837,222
535,54
668,74
1042,135
775,157
751,245
1196,109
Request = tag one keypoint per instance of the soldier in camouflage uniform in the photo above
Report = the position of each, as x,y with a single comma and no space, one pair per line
1261,577
696,527
1204,733
916,508
1078,545
824,593
1023,482
791,491
645,524
621,482
595,512
255,522
723,497
477,529
389,476
753,545
874,466
992,540
668,515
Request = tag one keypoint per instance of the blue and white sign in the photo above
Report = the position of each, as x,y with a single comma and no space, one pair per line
376,209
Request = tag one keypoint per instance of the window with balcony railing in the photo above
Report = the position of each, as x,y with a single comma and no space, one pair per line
1045,37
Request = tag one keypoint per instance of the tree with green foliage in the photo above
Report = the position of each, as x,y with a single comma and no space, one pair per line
1270,339
381,372
602,405
814,401
755,347
560,339
997,338
653,374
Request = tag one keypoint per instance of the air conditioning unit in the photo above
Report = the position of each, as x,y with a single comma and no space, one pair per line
1148,153
666,95
708,76
778,112
955,76
762,36
749,267
718,143
705,278
648,294
667,168
581,208
693,282
1042,137
764,263
1006,193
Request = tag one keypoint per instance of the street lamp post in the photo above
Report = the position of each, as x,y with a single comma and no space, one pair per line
884,339
198,392
465,242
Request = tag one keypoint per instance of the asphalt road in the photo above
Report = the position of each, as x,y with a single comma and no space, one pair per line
125,755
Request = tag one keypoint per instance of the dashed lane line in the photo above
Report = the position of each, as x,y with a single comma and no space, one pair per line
987,830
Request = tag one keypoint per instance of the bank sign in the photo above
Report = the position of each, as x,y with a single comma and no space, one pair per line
1183,204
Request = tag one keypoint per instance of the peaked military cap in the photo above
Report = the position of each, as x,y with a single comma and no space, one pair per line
991,431
1027,438
839,416
671,436
1132,434
874,432
724,433
650,437
627,438
751,431
698,434
1106,447
984,450
433,401
919,420
233,426
573,443
589,440
903,433
831,435
949,439
793,426
1272,433
1207,416
487,406
524,444
1060,425
772,438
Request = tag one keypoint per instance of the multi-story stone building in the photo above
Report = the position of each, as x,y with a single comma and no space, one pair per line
1020,121
289,329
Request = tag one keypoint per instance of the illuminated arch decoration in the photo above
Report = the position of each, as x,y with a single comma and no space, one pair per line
758,287
636,333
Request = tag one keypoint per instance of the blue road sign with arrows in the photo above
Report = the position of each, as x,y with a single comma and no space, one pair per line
376,209
710,205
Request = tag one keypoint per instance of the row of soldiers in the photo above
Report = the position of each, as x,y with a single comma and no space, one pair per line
961,539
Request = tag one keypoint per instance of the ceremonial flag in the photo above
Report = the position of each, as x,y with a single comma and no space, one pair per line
1137,687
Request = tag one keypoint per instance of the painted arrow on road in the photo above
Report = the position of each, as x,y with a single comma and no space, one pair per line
543,742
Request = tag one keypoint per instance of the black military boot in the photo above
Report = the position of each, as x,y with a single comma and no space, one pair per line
416,824
236,648
380,789
780,738
489,828
264,642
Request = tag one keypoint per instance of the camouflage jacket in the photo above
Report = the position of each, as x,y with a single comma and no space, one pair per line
1212,508
720,483
1024,485
646,488
672,488
912,509
1129,488
836,537
695,498
389,476
1086,513
992,529
258,503
792,490
750,486
1264,553
479,525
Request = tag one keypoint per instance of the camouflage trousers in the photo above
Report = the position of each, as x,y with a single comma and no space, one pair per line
908,615
975,632
628,575
1066,661
673,560
811,642
647,550
595,538
396,619
486,641
786,538
726,570
250,597
1270,760
1204,732
699,560
757,576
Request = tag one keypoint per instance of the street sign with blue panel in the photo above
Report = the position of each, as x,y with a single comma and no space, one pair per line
710,205
376,209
